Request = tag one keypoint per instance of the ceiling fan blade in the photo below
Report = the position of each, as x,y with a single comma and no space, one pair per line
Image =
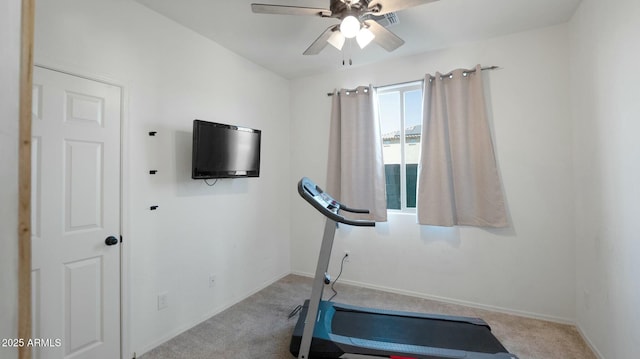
289,10
321,41
385,38
381,7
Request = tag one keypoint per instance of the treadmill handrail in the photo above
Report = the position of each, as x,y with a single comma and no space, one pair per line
328,206
353,210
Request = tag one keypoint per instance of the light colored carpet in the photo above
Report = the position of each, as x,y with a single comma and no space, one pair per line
258,327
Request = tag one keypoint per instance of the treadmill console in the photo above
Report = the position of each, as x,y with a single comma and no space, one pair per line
328,206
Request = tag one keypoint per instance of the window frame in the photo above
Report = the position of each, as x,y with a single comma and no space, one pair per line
402,89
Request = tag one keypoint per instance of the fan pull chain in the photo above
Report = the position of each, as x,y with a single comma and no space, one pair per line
348,49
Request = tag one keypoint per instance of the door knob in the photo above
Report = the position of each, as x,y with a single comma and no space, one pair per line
111,240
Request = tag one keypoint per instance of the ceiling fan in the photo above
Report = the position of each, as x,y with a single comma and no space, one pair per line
357,20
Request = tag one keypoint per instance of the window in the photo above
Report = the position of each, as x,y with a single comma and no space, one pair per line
400,113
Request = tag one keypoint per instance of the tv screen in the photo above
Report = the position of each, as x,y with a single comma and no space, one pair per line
224,151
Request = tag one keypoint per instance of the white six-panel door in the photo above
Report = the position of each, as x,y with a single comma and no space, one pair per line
75,207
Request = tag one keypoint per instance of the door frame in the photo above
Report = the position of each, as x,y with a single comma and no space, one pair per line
27,18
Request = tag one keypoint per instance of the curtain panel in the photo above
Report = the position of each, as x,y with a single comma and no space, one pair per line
355,169
458,180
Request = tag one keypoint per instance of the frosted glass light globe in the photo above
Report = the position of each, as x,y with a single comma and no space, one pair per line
364,37
336,40
350,27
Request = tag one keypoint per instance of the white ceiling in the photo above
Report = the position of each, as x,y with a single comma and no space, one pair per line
276,42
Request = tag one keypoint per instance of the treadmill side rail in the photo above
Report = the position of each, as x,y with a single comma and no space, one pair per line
373,348
364,356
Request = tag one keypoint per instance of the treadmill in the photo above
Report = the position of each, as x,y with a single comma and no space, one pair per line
331,330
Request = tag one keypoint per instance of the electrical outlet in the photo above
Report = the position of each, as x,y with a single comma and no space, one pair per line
163,300
347,254
212,280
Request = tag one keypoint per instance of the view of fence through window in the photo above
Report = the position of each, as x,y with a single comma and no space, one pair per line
400,111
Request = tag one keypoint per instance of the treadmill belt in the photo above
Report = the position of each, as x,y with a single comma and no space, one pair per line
415,331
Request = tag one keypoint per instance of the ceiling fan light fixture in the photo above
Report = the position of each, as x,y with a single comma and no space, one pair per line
350,27
336,40
364,37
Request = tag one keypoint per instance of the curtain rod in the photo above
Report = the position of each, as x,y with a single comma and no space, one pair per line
408,82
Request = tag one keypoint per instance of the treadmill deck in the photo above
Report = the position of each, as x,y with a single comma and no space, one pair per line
344,329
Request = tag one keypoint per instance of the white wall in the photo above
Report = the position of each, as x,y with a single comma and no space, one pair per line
529,268
9,126
171,76
606,112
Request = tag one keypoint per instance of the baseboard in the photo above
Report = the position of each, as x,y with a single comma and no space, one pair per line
208,315
493,308
587,340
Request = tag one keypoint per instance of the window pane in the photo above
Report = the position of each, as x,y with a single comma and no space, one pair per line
400,113
389,111
413,128
412,125
413,108
392,174
389,108
412,180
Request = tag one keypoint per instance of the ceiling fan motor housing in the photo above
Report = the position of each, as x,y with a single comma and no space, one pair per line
343,8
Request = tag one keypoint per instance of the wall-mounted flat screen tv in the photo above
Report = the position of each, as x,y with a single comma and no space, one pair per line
224,151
